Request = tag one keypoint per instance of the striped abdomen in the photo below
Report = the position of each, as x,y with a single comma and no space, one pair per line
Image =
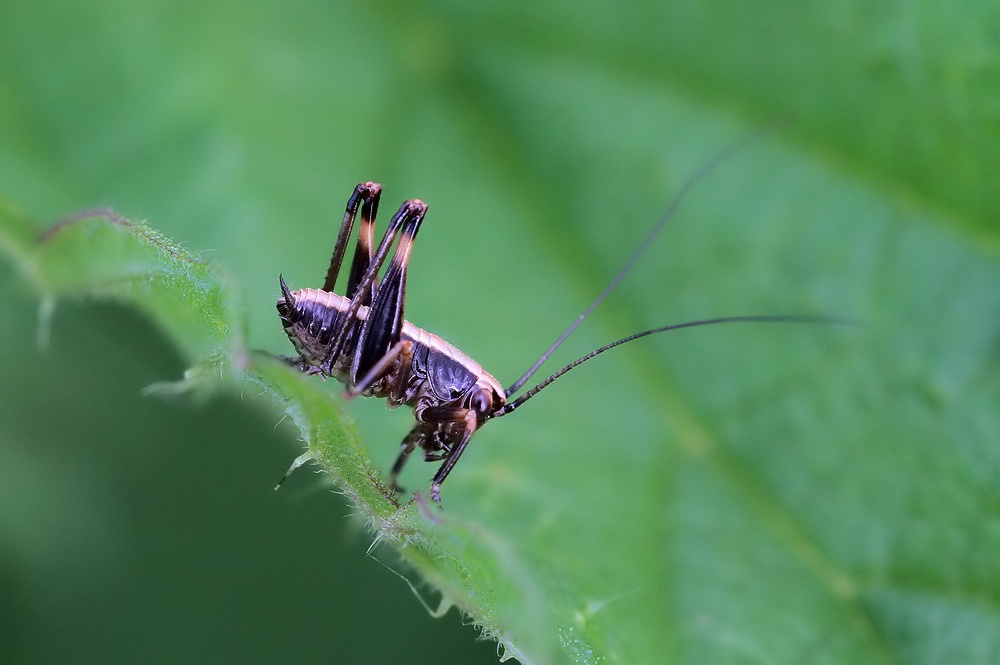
311,320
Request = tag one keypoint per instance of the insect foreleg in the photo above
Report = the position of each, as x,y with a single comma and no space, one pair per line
463,418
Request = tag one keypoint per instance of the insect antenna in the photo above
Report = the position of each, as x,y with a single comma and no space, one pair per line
691,181
775,318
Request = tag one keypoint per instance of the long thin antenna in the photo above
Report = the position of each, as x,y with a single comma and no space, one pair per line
775,318
693,179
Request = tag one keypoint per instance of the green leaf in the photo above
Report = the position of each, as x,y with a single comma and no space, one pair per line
99,254
729,494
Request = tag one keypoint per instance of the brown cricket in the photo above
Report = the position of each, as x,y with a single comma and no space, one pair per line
362,339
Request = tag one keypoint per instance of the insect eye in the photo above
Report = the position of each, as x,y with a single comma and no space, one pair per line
481,402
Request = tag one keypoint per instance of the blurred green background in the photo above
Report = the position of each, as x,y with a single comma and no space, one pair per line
546,138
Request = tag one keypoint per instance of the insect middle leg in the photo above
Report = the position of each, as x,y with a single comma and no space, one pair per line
401,351
409,444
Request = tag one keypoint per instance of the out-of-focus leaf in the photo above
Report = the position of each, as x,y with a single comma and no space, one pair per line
102,255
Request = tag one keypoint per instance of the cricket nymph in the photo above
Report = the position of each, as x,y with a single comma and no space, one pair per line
362,339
